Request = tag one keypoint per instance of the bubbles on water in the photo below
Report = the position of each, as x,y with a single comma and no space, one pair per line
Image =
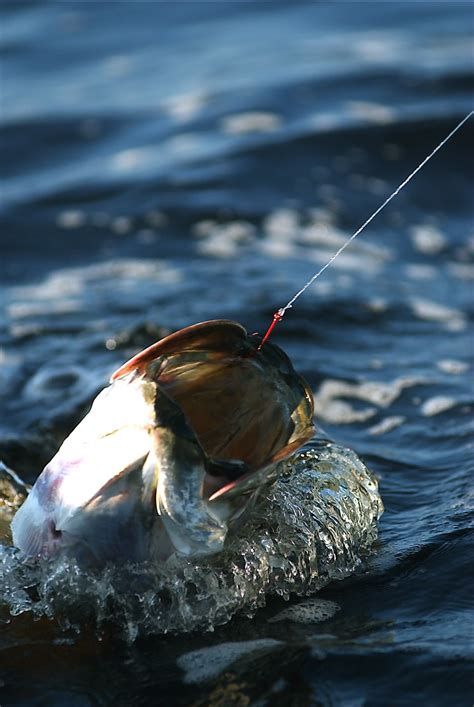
428,239
452,367
313,236
122,225
453,319
313,525
71,219
207,663
223,240
282,224
377,304
370,112
437,404
462,271
421,271
310,611
251,122
330,407
75,289
132,159
387,425
185,106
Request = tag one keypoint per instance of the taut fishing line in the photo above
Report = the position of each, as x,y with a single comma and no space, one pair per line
279,314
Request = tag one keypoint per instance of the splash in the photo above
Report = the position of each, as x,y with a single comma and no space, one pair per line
315,524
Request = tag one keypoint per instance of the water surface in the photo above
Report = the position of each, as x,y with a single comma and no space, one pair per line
169,163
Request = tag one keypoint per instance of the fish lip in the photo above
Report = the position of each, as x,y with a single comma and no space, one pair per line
40,540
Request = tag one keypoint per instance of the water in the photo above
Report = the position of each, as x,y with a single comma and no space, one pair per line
315,524
168,163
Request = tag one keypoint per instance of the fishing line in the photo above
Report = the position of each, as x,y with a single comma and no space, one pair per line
280,313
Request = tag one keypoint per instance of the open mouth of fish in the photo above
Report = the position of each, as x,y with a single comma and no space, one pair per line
172,452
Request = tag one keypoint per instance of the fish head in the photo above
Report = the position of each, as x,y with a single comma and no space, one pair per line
93,500
171,452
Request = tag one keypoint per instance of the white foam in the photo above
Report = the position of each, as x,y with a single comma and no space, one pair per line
437,405
427,239
185,106
62,290
71,219
462,271
377,304
310,611
21,310
372,112
382,206
329,407
207,663
278,249
326,234
251,122
387,425
452,367
131,159
321,518
122,225
223,240
340,412
377,47
453,319
420,271
282,224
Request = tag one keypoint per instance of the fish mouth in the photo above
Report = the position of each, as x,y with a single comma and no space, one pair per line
63,544
38,536
112,525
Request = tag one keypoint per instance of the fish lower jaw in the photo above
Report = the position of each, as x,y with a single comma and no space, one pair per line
35,532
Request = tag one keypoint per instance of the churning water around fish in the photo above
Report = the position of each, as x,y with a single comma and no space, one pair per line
138,201
315,523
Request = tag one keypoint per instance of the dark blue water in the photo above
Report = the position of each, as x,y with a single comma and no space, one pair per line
168,163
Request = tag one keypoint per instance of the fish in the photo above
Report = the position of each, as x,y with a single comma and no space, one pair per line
173,452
